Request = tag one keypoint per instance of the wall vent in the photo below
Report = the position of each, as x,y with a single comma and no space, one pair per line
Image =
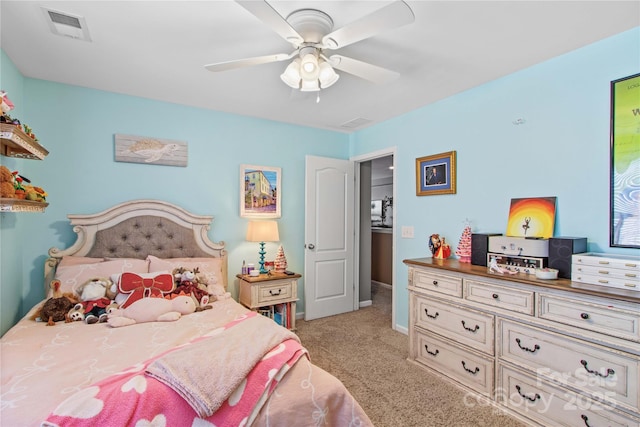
355,123
66,24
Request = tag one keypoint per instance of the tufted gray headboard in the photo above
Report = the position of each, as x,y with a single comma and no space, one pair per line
139,228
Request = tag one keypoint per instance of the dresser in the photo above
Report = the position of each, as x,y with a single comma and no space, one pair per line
549,352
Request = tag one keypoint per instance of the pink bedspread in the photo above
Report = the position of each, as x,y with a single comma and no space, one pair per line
43,366
179,391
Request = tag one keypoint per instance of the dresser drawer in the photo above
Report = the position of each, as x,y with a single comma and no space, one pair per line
551,405
269,293
470,369
592,316
629,275
602,279
628,263
436,282
592,369
498,296
462,325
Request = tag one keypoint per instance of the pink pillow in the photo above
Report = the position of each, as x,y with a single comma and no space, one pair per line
77,260
72,276
211,268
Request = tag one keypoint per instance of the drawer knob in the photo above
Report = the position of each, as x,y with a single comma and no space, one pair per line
273,294
474,372
495,296
433,353
432,316
585,419
585,316
532,399
475,329
535,347
609,370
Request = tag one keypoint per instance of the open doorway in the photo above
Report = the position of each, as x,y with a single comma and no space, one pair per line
375,244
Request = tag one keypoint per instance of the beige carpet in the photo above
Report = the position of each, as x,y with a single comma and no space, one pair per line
370,358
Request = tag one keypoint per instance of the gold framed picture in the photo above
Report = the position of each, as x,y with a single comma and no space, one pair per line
436,174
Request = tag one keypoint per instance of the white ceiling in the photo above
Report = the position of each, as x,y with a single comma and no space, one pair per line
158,49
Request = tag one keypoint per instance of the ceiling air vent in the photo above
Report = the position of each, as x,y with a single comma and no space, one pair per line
355,123
66,24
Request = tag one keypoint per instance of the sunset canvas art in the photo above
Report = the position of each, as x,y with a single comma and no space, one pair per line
532,217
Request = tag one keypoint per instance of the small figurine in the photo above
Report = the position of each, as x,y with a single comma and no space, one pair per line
494,267
439,248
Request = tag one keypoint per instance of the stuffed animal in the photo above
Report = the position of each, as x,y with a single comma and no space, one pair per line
96,296
55,309
5,103
152,310
7,188
187,282
75,314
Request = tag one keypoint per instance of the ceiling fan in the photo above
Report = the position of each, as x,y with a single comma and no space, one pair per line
311,33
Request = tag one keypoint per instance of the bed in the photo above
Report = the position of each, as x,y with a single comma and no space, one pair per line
203,369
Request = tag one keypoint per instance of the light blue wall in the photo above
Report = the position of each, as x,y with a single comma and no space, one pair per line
12,231
77,126
561,150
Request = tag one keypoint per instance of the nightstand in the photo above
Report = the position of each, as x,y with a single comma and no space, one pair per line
274,295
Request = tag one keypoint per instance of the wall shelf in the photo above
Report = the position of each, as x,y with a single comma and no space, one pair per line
20,205
16,143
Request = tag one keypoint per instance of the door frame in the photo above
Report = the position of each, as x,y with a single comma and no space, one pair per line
390,151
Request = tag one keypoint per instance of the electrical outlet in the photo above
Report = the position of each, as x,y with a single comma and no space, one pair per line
407,232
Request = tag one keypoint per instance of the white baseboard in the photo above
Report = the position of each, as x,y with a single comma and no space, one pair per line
366,303
402,329
384,285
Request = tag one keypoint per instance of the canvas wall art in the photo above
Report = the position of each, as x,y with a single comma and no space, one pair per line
532,217
625,163
150,151
260,192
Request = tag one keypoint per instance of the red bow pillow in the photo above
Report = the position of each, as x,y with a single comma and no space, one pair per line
139,287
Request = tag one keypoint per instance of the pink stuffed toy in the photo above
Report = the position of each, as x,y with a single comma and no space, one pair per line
152,310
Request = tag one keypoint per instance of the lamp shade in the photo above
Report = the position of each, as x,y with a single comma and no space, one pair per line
262,231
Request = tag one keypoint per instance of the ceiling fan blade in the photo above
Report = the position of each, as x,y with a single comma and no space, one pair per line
364,70
389,17
248,62
267,14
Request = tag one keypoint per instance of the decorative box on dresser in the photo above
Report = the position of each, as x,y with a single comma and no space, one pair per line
549,352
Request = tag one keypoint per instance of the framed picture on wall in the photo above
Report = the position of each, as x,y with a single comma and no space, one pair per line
625,163
260,191
436,174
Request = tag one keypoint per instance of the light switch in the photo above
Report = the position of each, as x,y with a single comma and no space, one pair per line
407,232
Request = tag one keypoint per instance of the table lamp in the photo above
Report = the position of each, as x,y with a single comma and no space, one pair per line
262,231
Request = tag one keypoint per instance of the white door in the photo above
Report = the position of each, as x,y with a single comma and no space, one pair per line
329,237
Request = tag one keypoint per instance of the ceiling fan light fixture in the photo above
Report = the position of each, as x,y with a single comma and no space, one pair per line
310,86
327,75
291,75
309,67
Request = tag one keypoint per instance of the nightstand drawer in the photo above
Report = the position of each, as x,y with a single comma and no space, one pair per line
466,326
269,293
592,316
498,296
439,283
